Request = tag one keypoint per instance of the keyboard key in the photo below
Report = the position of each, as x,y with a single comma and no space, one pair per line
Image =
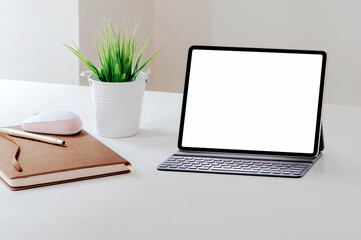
173,163
204,168
173,160
236,170
297,168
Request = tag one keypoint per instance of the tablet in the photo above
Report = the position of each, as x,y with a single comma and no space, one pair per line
253,100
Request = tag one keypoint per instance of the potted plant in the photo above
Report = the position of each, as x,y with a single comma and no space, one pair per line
118,85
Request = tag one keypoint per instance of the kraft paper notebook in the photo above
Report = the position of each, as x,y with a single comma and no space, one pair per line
43,164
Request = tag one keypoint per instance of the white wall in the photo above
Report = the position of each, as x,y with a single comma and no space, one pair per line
31,36
330,25
180,24
32,33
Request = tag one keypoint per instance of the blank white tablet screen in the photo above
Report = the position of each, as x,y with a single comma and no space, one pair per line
253,101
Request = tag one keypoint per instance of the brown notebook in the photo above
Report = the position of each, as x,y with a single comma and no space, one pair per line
83,157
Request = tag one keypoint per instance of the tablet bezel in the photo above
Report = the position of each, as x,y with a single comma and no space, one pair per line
319,109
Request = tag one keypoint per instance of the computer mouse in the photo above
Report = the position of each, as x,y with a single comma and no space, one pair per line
53,122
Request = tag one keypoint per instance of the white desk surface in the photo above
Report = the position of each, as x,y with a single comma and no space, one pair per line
150,204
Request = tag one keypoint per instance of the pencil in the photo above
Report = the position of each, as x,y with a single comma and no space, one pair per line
18,133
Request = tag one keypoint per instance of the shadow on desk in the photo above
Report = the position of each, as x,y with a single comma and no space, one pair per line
157,138
146,144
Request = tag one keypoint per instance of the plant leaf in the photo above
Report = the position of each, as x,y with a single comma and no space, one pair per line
116,50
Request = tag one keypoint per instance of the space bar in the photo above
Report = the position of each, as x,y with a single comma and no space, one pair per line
235,170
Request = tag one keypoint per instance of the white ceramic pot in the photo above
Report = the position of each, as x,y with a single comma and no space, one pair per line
118,106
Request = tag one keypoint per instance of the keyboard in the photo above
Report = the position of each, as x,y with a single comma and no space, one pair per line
235,166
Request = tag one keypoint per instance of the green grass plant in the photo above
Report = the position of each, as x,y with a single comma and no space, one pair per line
116,50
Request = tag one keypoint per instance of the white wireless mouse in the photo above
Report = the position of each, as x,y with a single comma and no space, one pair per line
53,122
